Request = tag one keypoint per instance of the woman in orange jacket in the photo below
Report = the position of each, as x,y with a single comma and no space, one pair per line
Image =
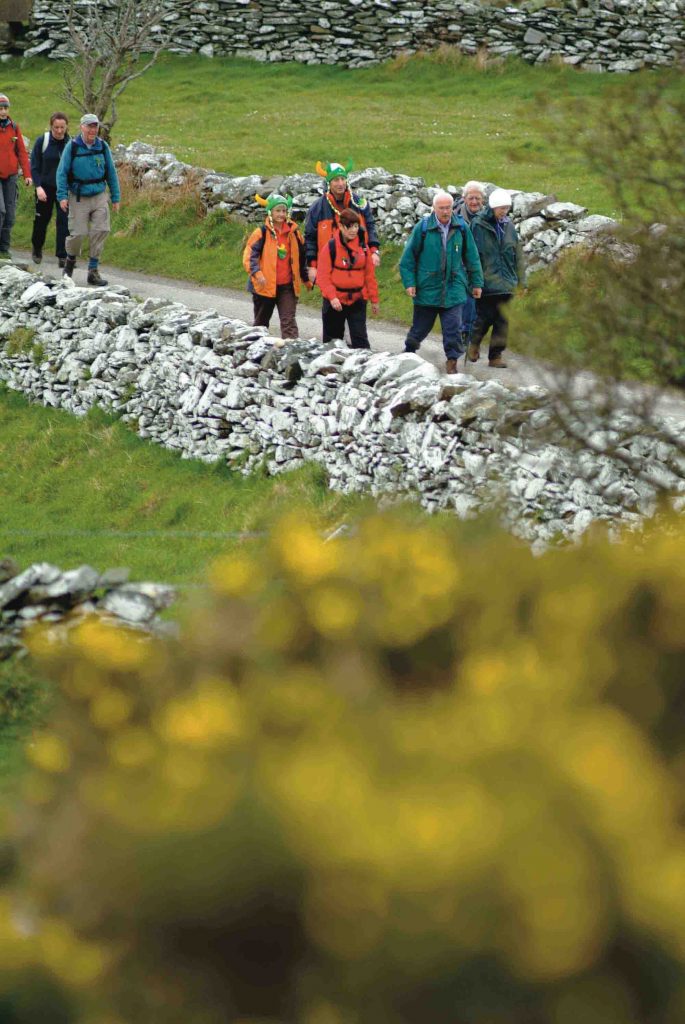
274,259
347,279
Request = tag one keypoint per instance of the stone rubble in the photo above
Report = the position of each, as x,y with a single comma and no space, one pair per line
597,35
547,227
215,389
44,595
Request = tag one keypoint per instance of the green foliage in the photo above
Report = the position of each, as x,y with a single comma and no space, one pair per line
370,784
618,308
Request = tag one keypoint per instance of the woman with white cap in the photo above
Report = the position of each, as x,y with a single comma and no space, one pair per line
501,256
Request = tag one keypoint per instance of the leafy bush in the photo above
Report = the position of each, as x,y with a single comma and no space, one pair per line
414,775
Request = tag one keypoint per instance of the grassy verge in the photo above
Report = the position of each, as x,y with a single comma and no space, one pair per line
90,490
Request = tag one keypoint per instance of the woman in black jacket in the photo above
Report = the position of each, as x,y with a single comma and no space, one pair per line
45,157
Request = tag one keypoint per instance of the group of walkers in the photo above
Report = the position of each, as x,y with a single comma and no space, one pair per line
71,176
461,264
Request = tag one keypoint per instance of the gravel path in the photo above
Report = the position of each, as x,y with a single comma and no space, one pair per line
383,334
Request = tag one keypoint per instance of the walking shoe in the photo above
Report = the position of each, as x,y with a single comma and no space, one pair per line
62,262
37,255
95,278
497,363
473,354
451,366
69,264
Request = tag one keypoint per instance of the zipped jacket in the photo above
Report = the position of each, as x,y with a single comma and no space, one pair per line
443,275
323,220
44,164
87,170
502,258
349,275
261,253
13,153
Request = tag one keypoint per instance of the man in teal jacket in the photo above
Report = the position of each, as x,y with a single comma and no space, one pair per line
85,172
501,254
439,269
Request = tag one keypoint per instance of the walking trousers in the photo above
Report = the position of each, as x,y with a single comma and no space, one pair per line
42,218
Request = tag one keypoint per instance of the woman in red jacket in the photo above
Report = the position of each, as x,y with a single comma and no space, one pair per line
347,279
274,260
13,157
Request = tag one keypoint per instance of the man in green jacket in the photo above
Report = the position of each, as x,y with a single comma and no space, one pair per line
501,254
439,269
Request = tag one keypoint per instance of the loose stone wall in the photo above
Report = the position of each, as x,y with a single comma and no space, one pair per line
546,226
45,594
215,389
599,35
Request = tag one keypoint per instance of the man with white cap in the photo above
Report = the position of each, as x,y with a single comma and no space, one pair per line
85,172
501,256
13,156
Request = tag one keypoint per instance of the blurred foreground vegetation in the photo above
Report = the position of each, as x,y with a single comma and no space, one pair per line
414,775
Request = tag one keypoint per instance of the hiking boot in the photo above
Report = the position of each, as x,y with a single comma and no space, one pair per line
69,264
37,255
497,363
451,366
62,262
473,354
95,278
5,254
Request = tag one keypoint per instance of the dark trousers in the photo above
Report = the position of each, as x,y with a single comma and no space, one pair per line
353,315
450,321
490,313
285,300
8,209
42,218
468,317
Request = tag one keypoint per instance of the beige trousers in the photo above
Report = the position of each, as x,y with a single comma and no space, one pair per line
88,218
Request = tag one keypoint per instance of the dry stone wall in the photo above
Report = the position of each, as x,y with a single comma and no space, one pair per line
43,594
599,35
215,389
547,227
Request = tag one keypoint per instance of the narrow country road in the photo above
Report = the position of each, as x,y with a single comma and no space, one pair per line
383,335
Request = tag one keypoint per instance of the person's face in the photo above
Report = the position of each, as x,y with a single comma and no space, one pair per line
349,231
443,210
58,128
279,214
500,212
4,110
473,201
338,186
89,132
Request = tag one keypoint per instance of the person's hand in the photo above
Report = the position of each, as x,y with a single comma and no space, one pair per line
116,206
311,274
64,204
374,308
336,304
41,195
260,279
376,259
411,292
476,292
28,181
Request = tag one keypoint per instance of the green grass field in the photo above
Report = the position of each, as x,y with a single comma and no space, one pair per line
442,116
90,491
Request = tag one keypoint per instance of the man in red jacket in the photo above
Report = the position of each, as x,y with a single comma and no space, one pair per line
13,155
347,278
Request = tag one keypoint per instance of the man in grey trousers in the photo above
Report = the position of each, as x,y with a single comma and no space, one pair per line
85,172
